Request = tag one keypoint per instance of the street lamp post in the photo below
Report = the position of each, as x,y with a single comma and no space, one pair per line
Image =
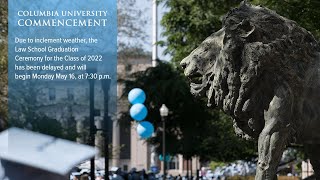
106,87
92,126
164,113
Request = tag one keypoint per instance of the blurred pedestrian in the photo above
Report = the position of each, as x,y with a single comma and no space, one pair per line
99,177
151,176
3,124
203,172
118,175
143,175
84,176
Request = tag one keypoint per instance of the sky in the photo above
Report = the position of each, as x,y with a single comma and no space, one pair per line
146,7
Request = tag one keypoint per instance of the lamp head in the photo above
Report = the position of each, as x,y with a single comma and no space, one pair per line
164,111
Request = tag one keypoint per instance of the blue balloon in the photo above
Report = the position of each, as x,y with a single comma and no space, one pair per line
136,95
138,112
145,129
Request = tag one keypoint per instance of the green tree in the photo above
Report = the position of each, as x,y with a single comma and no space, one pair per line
192,128
3,63
221,144
189,22
41,124
131,21
24,112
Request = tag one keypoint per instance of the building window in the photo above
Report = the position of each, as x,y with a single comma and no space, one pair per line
52,94
70,94
128,67
125,167
173,163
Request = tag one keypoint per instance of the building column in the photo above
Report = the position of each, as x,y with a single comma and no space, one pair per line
153,156
116,146
99,139
154,159
180,157
307,169
139,150
80,128
195,165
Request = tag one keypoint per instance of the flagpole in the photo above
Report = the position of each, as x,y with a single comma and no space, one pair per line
155,33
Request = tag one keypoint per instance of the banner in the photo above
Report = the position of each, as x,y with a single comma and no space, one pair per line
61,53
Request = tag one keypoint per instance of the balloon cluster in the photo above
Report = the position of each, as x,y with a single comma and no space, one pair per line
139,112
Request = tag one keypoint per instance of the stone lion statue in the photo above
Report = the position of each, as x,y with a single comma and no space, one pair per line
263,70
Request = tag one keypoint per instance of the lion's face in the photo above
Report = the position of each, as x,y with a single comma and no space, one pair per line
212,70
199,64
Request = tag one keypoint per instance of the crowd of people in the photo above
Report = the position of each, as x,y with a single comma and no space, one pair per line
133,174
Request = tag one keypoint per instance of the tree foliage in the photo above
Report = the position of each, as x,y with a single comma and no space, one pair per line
192,128
24,112
3,62
130,25
189,22
221,143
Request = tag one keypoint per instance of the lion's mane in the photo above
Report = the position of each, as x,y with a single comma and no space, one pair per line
262,51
